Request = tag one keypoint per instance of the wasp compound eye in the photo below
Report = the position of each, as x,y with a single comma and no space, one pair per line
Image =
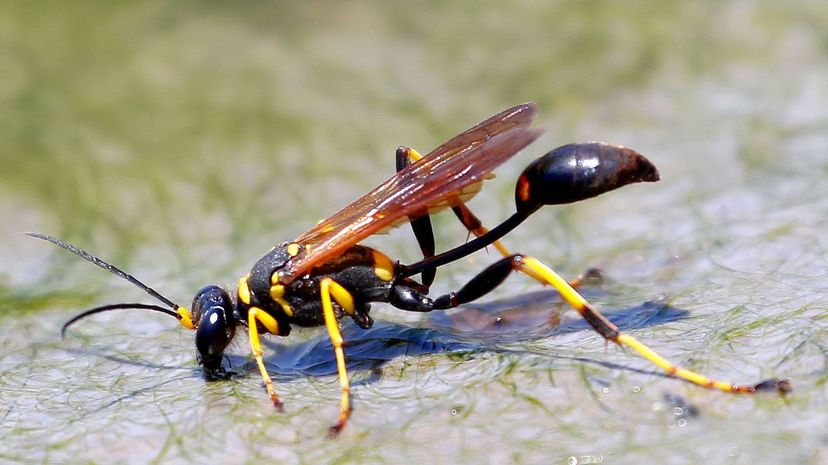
213,310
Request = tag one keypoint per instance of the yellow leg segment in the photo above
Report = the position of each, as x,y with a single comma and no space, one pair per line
538,270
330,287
341,296
257,315
414,155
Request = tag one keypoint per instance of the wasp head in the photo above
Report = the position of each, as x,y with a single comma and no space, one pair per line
215,325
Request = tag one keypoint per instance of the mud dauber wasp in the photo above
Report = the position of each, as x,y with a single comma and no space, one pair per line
325,275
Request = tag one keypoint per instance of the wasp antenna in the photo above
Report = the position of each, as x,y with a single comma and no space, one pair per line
106,308
108,267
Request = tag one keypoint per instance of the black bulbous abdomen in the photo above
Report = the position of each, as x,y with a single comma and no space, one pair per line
580,171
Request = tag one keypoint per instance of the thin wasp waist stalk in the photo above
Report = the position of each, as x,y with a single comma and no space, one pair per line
325,275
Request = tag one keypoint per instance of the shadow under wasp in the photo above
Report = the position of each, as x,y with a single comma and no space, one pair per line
325,275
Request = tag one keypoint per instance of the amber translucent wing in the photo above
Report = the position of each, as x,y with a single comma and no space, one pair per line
511,118
444,174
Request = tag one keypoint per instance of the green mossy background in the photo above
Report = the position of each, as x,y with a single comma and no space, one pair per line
180,140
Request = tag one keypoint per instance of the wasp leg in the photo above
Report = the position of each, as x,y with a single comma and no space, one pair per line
495,274
420,224
475,226
591,275
254,317
328,288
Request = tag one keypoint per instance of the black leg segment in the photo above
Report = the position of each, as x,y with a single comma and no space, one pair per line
408,298
421,224
488,279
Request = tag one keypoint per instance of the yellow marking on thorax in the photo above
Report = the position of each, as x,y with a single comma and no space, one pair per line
244,289
275,278
383,266
293,249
